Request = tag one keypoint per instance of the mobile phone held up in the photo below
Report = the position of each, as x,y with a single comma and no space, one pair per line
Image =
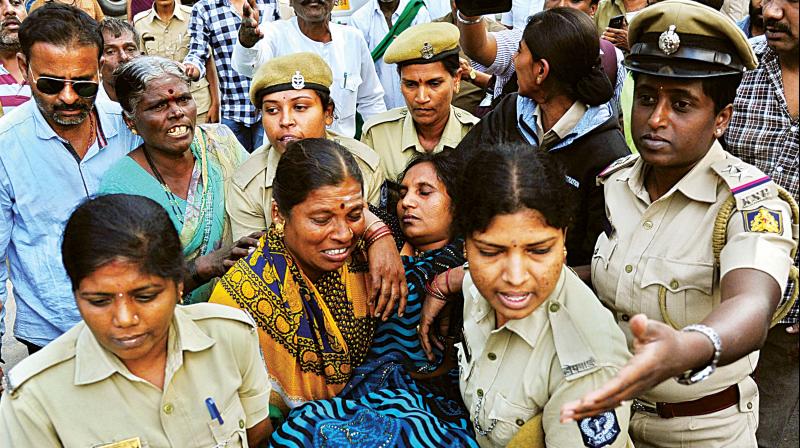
471,8
617,22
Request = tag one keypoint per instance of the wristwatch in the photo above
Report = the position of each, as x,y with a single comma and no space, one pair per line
696,375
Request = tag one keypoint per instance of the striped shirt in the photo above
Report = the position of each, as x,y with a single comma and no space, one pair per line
12,93
216,24
763,133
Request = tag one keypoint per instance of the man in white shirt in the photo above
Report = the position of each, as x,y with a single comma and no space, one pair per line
355,82
376,19
517,18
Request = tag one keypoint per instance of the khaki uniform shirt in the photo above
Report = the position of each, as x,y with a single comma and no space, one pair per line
393,136
75,393
568,347
562,127
248,200
171,40
666,244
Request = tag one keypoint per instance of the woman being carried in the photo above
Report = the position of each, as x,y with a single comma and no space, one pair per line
181,166
305,287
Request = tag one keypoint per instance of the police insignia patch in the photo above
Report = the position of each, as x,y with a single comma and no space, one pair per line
600,430
763,220
298,81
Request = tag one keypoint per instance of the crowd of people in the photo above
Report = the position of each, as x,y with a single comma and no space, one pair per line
574,226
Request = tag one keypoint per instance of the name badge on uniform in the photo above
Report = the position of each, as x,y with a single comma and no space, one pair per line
133,442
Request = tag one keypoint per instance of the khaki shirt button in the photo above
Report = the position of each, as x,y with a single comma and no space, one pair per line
628,269
625,317
554,307
168,408
480,392
647,225
749,405
491,356
520,422
673,284
241,424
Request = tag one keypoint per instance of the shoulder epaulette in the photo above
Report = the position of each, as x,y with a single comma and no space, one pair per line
748,184
390,115
465,117
201,311
358,149
57,352
247,171
622,162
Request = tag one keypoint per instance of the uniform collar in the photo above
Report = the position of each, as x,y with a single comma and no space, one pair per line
177,12
451,135
93,363
565,124
696,184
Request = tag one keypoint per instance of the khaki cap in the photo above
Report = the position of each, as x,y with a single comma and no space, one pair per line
424,44
685,39
291,72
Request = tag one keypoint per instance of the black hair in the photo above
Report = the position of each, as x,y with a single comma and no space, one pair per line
509,177
60,25
447,167
116,27
125,227
721,89
310,164
572,51
451,64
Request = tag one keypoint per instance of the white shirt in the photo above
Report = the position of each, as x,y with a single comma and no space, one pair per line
520,11
355,82
370,20
438,8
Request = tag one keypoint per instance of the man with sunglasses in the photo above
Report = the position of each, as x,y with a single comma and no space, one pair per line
53,152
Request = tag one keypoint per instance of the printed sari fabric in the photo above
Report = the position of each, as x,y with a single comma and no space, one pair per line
312,334
382,405
201,220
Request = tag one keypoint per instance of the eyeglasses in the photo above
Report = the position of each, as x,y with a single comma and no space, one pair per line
52,86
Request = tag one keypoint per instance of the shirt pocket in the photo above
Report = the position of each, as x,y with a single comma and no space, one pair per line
603,250
347,87
684,289
510,417
231,433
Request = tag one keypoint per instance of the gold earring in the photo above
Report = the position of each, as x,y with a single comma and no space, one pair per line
279,228
539,79
565,252
133,131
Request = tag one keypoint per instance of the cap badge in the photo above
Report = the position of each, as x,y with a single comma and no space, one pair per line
427,51
669,41
298,82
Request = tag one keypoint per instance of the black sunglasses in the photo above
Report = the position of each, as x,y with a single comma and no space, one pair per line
52,86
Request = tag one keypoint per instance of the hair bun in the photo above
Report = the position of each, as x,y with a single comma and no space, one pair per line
595,88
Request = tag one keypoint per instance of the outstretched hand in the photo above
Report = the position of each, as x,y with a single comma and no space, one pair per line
387,287
656,358
249,32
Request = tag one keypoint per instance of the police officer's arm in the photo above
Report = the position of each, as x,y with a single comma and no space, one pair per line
255,388
476,41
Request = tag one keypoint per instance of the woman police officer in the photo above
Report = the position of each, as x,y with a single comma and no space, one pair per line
700,304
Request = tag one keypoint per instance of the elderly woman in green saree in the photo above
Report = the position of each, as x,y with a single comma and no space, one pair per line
181,166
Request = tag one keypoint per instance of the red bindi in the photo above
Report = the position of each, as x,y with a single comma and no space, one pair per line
171,91
341,206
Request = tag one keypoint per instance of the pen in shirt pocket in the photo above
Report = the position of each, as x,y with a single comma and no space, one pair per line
213,411
344,83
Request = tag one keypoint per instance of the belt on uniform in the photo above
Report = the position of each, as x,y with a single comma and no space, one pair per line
706,405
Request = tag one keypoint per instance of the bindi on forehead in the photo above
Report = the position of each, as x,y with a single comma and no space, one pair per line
171,91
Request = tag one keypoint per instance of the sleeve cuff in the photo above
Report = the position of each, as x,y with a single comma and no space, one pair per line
256,408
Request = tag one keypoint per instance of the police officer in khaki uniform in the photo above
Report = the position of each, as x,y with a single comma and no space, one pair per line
430,74
138,370
669,210
164,31
294,90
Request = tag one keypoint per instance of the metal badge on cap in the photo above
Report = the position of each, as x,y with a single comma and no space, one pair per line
298,82
669,41
427,51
